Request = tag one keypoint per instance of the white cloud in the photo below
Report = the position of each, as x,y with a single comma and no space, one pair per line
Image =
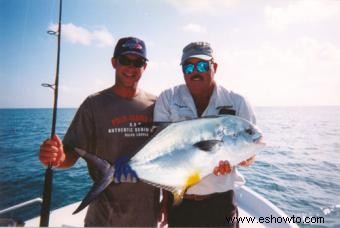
205,6
194,28
305,11
305,73
77,34
103,37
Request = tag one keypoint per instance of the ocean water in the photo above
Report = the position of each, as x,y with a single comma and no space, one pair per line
299,169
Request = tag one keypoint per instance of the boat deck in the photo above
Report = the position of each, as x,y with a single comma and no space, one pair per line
63,217
250,204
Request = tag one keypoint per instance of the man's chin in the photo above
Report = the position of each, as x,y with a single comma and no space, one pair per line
197,89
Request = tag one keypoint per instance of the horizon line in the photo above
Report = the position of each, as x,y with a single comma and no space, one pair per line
255,106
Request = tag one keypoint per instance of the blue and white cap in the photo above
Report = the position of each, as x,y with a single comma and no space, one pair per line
130,45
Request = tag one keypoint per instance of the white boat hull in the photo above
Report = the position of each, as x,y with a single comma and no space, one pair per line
250,205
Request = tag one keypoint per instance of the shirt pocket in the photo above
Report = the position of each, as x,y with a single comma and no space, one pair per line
181,112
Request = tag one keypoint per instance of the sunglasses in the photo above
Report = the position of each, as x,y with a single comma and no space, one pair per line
131,62
201,67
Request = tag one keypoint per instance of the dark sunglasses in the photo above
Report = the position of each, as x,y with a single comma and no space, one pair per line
201,67
128,62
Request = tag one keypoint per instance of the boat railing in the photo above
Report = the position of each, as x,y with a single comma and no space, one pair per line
21,205
7,217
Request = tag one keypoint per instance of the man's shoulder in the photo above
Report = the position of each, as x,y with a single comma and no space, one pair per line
239,103
222,91
142,94
145,95
99,94
95,98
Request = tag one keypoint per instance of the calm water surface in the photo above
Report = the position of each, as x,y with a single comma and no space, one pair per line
299,170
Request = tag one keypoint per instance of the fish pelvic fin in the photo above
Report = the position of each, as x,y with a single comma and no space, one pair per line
192,179
178,194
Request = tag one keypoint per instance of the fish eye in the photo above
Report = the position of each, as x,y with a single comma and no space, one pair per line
250,131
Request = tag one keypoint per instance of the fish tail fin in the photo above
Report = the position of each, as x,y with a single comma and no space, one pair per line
97,188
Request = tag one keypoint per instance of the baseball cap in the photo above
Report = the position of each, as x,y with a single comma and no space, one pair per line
201,50
130,45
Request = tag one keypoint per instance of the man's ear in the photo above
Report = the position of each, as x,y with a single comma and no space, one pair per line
215,65
114,62
145,65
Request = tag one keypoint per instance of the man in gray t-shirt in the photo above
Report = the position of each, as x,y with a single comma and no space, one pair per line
113,123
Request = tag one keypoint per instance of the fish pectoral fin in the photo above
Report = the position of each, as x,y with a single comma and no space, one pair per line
207,145
97,188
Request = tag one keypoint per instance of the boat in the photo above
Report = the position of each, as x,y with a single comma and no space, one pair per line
254,210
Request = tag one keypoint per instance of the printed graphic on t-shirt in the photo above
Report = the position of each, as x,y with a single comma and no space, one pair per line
131,126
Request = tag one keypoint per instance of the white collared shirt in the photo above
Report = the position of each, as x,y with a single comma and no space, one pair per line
177,104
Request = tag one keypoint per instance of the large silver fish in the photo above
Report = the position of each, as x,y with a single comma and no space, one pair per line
180,154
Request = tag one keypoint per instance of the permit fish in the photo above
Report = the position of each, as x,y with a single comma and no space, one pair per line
180,154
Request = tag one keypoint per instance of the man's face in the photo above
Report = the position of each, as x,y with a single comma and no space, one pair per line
199,82
129,69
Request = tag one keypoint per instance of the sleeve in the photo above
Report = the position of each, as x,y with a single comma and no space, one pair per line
82,129
246,111
162,107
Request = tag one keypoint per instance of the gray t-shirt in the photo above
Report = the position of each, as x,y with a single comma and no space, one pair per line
111,126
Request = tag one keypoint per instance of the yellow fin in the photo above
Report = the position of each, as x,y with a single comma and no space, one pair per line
178,193
192,179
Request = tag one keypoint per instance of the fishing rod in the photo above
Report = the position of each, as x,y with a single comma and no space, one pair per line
46,204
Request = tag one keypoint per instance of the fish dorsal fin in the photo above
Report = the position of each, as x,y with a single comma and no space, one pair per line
207,145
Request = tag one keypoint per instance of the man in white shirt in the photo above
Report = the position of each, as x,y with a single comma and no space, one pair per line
209,202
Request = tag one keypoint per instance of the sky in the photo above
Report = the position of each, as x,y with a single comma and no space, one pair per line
275,53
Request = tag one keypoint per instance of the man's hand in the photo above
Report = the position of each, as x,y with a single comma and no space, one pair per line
223,168
52,152
247,162
123,172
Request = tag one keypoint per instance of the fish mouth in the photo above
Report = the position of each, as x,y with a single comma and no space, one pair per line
260,140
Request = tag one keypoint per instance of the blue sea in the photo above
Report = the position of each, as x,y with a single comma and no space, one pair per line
299,169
